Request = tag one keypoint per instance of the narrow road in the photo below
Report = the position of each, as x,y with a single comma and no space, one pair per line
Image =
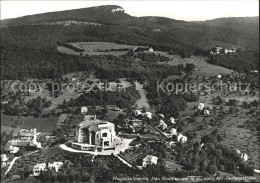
143,100
15,158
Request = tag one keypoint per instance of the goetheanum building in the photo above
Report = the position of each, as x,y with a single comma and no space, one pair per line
94,134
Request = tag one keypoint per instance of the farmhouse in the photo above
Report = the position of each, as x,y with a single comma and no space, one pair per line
149,159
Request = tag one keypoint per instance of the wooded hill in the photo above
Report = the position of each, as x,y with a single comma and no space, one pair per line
30,42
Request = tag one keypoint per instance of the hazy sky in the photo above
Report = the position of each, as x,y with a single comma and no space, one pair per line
181,10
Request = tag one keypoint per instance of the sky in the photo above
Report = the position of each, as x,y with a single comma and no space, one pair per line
188,10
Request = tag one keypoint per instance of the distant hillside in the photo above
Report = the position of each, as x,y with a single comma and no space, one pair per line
239,31
41,32
101,14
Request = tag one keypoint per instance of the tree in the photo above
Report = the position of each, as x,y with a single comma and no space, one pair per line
212,169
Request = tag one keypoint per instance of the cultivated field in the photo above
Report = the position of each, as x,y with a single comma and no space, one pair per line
202,67
97,48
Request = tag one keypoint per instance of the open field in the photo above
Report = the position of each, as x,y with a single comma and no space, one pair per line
97,48
202,67
41,124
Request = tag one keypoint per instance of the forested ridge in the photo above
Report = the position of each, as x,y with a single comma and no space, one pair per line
29,50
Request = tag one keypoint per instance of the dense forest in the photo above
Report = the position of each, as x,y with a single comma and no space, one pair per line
123,98
242,61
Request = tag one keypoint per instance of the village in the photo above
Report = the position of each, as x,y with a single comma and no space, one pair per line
138,136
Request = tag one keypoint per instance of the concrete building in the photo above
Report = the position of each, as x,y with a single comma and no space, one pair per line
94,134
149,159
38,168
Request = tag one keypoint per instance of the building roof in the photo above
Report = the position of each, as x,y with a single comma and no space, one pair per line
97,122
150,158
4,157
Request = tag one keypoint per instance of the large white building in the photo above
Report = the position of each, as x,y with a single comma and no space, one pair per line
94,134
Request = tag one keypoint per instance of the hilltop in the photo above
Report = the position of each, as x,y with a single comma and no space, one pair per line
24,39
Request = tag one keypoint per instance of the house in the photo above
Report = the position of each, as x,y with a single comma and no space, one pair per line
201,106
10,148
206,112
90,117
233,50
181,138
38,168
149,159
137,113
254,71
150,49
84,110
4,160
172,120
146,114
173,131
116,109
163,125
244,156
217,50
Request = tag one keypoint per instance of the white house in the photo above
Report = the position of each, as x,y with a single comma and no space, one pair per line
172,120
150,49
146,114
181,138
173,131
206,112
42,167
13,150
4,160
201,106
244,156
149,159
84,110
163,125
137,113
